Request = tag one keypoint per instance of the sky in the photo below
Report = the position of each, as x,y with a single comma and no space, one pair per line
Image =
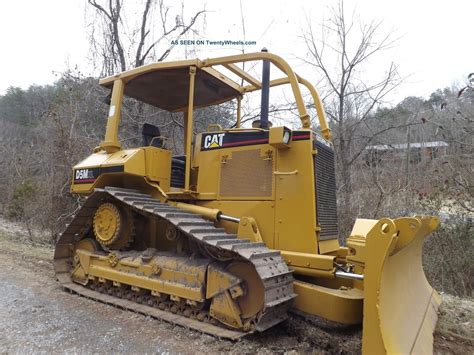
41,39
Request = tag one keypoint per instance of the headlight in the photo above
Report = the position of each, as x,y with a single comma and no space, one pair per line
280,137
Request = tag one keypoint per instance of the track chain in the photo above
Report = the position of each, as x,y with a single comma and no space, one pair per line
272,269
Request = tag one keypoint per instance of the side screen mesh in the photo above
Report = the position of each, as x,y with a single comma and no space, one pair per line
325,180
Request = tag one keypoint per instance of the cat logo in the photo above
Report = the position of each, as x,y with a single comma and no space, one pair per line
213,140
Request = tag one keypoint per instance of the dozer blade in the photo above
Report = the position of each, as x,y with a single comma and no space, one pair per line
400,306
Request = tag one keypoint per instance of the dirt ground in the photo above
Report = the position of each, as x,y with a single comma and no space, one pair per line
36,315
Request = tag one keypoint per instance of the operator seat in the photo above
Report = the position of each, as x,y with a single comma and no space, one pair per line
151,136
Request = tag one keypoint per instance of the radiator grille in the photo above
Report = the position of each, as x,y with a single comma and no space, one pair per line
246,174
325,180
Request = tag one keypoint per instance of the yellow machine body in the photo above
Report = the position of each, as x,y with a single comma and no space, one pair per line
274,186
139,167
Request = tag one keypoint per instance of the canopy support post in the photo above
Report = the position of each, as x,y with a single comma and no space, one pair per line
239,115
188,124
111,142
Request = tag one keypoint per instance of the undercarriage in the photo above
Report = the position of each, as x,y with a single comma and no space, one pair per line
129,249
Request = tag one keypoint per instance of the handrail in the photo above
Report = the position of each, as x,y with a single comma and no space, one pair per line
280,63
325,130
323,122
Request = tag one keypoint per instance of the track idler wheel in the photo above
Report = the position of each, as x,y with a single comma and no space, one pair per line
252,301
87,244
113,226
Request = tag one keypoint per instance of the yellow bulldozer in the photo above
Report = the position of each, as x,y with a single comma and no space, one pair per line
241,229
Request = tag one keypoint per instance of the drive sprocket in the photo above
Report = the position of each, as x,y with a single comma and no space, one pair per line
113,226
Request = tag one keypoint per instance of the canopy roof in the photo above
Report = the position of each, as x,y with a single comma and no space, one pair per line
166,85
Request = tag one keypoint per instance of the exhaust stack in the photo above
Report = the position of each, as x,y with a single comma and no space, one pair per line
265,93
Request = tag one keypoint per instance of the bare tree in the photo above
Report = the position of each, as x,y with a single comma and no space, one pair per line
345,48
123,38
119,46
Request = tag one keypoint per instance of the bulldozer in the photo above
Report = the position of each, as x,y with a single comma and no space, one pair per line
242,229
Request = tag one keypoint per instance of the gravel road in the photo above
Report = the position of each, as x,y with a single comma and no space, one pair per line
37,315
